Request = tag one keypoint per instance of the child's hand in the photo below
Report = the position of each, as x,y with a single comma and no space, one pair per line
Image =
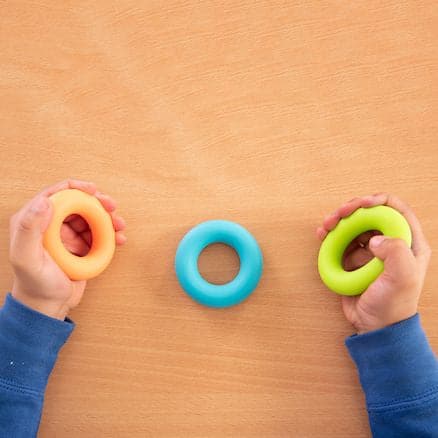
39,282
394,295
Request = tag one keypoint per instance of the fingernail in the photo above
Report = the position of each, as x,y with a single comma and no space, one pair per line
40,205
376,241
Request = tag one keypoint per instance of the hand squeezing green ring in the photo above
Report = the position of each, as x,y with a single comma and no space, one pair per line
385,219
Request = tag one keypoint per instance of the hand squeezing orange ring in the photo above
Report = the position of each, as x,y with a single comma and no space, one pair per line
72,201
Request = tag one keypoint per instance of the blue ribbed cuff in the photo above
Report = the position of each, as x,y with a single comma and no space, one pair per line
395,363
29,345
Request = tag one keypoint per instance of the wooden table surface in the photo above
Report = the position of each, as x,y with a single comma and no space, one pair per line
268,113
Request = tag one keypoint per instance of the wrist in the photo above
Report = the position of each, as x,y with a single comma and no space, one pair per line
45,306
373,325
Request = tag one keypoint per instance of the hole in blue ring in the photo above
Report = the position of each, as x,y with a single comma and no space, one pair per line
218,263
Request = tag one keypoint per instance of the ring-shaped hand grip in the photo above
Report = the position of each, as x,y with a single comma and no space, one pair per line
382,218
72,201
229,233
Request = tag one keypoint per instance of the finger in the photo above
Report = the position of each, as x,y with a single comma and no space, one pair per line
364,238
321,233
330,221
118,222
27,230
360,242
357,259
353,246
396,255
376,199
420,247
345,210
120,238
349,307
107,202
77,223
351,206
87,237
85,186
73,242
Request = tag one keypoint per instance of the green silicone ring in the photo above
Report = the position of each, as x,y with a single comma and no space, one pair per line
385,219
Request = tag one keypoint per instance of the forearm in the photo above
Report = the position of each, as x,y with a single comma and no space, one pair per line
29,345
399,375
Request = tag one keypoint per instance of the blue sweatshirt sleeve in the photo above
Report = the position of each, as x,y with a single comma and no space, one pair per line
29,345
399,375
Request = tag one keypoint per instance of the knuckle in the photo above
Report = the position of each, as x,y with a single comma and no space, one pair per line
24,224
15,260
392,200
65,183
19,223
398,245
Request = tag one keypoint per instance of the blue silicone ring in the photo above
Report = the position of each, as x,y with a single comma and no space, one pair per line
218,231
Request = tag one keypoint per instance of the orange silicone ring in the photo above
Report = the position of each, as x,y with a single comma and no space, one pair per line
72,201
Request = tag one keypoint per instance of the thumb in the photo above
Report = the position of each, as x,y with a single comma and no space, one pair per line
27,229
395,253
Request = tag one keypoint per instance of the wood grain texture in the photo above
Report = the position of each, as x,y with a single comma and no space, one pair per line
268,113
